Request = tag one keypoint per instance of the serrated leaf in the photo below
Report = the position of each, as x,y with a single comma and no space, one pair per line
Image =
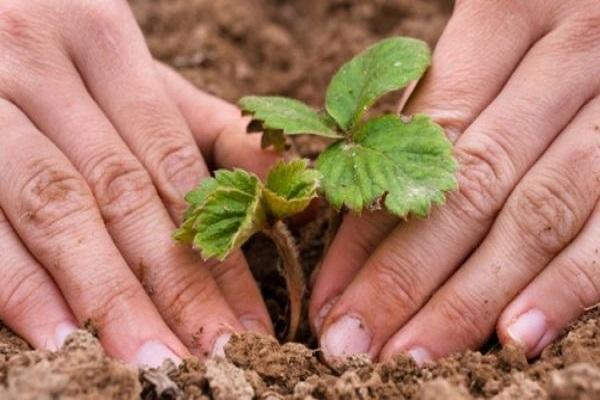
282,116
406,165
198,195
224,212
290,187
387,66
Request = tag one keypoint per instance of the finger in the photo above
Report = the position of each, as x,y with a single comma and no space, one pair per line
132,95
464,78
543,214
475,56
418,257
182,287
561,293
53,211
232,276
129,91
344,258
217,126
30,303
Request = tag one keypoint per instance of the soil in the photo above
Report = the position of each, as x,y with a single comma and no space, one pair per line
291,47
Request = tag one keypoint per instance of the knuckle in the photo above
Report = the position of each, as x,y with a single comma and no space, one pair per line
482,176
581,31
464,317
21,289
121,185
16,27
581,279
24,41
179,164
188,294
102,17
231,268
113,303
52,195
393,286
545,215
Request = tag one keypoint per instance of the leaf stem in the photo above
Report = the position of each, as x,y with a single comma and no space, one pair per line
292,271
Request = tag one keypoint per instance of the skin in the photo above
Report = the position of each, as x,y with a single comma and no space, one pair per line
98,145
516,85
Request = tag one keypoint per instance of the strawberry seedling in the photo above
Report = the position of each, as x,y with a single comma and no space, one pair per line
402,164
225,211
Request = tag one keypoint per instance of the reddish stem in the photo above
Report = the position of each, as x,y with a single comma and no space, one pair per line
292,272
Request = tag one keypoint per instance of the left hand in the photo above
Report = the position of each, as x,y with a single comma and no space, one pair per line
516,85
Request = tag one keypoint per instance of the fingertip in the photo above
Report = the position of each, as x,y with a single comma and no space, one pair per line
529,329
218,348
257,325
319,314
346,337
62,332
153,353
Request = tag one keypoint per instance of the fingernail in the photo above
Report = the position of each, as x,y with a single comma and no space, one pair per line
61,332
346,337
420,355
218,349
323,313
254,325
153,353
528,329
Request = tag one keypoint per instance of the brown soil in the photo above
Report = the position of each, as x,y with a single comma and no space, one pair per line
291,47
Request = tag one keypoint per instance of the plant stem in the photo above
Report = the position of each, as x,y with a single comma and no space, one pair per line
292,271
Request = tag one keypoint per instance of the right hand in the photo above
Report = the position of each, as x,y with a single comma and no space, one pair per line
98,145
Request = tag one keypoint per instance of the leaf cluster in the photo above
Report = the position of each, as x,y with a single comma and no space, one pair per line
228,209
402,164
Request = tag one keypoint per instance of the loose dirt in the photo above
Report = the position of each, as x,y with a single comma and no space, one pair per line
291,47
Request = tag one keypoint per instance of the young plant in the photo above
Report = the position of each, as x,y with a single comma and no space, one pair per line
404,164
225,211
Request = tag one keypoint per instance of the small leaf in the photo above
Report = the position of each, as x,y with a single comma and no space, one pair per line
224,212
196,197
387,66
282,116
290,187
406,165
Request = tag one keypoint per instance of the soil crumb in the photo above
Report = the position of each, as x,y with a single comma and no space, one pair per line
80,370
258,367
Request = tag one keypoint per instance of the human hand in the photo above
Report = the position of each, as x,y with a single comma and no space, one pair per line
98,145
516,85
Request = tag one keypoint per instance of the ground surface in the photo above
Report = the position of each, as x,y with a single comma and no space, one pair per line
291,47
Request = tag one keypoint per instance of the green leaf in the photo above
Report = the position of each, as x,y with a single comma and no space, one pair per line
224,212
387,66
290,187
196,197
407,166
282,116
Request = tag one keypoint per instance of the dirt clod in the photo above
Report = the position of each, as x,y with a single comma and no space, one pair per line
579,381
227,382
